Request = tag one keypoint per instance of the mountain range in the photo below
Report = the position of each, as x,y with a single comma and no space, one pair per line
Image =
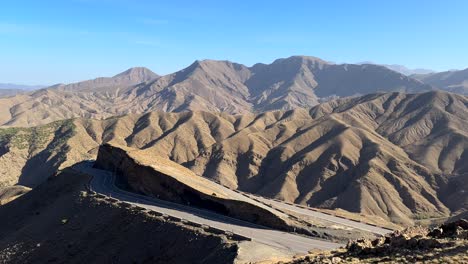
218,86
398,156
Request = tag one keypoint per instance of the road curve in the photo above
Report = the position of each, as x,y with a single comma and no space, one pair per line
331,218
102,182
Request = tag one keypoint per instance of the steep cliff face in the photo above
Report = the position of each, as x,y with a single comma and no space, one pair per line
169,181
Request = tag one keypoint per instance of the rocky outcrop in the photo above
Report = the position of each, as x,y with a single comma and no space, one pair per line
391,243
447,243
415,238
8,194
169,181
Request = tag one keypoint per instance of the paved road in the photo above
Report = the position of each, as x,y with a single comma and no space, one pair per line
102,182
320,215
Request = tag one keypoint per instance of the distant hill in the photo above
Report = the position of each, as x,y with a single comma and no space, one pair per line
9,89
401,68
452,81
208,85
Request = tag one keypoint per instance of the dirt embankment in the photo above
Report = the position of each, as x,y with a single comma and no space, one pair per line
170,181
58,222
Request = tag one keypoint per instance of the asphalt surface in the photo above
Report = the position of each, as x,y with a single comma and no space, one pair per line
323,216
103,182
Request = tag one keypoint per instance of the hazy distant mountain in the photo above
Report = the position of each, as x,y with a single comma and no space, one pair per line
20,86
452,81
406,71
208,85
10,89
10,92
401,69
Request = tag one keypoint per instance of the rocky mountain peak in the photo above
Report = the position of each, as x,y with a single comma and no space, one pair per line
138,73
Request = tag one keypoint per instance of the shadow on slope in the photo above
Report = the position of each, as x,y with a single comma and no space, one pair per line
46,163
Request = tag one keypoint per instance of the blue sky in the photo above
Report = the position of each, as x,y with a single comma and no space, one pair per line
47,42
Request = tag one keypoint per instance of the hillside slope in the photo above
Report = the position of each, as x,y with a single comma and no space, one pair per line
398,156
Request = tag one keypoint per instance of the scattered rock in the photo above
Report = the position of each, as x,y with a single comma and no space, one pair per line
428,243
399,241
336,260
454,229
436,232
359,245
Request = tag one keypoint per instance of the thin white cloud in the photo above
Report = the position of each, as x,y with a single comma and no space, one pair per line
151,43
152,21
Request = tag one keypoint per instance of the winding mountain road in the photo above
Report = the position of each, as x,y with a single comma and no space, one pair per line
102,182
331,218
